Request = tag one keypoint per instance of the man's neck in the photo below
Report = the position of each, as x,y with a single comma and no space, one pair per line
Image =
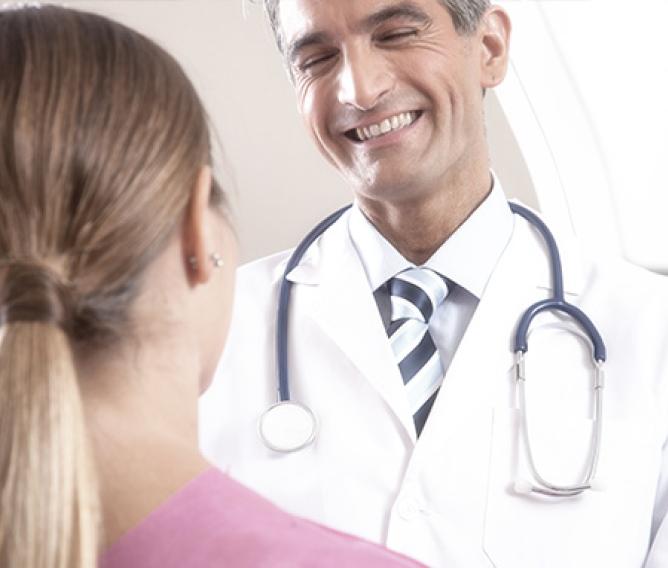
418,227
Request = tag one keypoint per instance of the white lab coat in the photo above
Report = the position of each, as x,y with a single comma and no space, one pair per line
447,500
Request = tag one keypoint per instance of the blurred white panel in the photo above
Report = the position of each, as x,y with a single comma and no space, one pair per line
586,100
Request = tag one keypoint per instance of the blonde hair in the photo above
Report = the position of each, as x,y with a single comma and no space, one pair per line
102,137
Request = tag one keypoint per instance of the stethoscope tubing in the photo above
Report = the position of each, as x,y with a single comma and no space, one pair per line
552,248
283,312
557,302
521,334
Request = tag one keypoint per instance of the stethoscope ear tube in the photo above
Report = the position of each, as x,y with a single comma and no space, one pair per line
522,332
557,302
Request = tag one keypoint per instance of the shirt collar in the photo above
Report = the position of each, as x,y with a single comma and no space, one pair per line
467,258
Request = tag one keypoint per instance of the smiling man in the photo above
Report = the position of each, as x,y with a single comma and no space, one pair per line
391,93
402,322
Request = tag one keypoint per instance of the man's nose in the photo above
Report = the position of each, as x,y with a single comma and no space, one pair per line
364,79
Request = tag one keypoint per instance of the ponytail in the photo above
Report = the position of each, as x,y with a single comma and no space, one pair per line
48,500
101,139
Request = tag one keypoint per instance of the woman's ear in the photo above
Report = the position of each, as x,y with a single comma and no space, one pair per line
494,31
196,233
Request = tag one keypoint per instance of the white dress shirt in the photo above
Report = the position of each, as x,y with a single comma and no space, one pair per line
467,260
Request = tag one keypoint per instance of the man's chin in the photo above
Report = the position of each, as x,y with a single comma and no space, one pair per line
391,189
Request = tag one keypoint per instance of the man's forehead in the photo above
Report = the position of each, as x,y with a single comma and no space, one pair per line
299,16
305,16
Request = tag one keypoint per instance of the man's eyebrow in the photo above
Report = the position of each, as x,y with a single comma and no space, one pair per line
406,10
304,41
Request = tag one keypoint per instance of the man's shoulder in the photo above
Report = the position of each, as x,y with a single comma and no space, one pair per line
258,282
632,297
630,279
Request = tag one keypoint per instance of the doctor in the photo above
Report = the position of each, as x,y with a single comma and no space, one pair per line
419,443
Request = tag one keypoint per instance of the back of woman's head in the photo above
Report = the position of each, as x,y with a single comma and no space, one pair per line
101,140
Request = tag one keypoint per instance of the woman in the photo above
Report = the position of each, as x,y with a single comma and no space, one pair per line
116,274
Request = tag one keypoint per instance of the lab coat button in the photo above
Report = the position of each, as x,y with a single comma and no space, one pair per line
408,508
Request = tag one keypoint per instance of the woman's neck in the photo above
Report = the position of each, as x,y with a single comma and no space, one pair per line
142,422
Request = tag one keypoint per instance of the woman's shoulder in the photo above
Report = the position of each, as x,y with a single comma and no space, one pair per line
216,521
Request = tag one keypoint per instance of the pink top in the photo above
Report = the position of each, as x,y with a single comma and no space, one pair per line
215,521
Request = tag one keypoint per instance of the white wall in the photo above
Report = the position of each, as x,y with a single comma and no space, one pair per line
284,187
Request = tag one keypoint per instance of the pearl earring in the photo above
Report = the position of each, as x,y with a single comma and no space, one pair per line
217,260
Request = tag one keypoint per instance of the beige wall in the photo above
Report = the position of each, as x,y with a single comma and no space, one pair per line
283,185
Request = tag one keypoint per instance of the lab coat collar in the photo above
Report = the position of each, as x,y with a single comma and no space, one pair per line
336,241
469,256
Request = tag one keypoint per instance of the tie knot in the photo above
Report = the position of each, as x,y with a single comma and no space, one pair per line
416,293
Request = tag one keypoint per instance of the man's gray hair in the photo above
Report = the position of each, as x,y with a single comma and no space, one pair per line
465,16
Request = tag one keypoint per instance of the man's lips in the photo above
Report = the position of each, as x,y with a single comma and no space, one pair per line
385,126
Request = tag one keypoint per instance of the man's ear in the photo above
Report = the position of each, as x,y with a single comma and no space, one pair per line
494,33
196,233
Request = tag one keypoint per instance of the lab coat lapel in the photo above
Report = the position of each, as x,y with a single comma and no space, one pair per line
485,352
479,376
335,293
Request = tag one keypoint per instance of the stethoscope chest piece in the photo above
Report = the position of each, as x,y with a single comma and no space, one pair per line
287,427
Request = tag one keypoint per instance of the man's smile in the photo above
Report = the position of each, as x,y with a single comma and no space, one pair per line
384,127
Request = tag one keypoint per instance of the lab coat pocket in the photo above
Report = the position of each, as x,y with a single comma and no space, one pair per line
607,527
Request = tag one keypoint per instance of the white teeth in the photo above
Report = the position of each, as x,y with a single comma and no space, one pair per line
395,122
385,126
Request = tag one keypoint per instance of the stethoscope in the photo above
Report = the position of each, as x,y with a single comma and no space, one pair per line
289,426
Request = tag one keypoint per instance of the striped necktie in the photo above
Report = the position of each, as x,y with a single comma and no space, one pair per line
415,294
